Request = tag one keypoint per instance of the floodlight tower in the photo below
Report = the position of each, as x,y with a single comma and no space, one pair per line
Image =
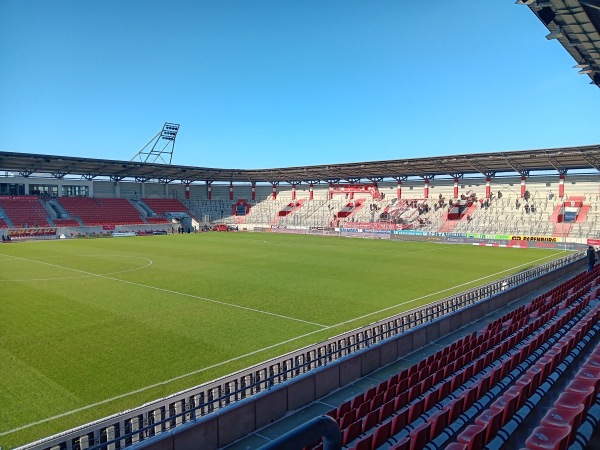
154,149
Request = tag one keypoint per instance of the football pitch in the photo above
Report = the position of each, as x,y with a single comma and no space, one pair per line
92,327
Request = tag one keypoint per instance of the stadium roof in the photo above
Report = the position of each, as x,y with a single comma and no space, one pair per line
521,162
576,25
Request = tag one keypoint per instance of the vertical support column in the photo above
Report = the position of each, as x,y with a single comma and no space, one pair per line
198,410
426,188
561,185
178,411
293,192
166,190
274,194
135,425
523,178
187,191
330,191
209,190
310,191
84,442
351,195
455,188
143,190
157,418
231,190
117,189
399,189
110,435
488,189
253,191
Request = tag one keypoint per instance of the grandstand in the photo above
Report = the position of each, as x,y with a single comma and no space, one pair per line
511,364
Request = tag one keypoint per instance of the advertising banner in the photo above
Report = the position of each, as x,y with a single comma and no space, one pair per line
534,238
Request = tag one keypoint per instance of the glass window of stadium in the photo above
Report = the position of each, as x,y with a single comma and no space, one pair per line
12,189
75,191
50,190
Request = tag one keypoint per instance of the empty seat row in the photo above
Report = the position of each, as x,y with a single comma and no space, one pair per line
25,211
457,376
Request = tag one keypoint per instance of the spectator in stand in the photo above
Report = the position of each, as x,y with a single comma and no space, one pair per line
499,194
591,257
532,209
526,208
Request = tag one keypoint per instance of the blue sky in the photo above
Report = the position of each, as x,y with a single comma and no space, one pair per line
263,84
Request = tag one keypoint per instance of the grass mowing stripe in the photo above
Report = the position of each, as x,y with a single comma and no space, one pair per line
162,383
168,291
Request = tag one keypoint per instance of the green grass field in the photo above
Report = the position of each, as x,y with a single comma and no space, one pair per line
100,326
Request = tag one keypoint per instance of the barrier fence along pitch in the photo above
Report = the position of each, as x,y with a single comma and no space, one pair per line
124,429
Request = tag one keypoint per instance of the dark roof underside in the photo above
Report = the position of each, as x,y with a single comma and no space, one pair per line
522,162
576,25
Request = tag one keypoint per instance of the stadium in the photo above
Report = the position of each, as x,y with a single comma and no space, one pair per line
416,303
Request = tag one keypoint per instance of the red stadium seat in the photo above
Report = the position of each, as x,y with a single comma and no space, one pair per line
548,438
382,434
474,436
419,437
402,444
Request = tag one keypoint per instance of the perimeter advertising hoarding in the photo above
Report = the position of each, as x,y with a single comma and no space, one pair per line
534,238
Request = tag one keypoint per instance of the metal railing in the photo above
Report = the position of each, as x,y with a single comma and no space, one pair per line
136,425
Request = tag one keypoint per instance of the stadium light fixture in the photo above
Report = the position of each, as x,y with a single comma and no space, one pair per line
156,152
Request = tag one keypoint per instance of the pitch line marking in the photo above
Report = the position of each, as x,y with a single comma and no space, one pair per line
195,372
84,276
169,291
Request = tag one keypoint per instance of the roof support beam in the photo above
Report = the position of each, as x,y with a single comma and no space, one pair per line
478,167
591,160
516,166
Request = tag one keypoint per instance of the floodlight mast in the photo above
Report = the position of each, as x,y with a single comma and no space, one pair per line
157,151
